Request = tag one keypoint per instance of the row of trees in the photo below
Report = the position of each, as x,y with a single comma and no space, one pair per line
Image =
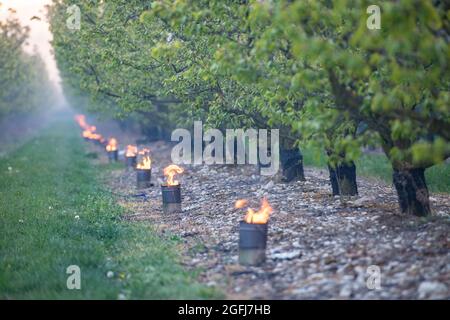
311,68
24,83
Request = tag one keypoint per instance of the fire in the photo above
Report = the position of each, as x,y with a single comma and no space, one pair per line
87,134
89,131
170,172
146,161
81,120
92,136
145,164
259,217
240,203
96,136
112,145
131,151
144,151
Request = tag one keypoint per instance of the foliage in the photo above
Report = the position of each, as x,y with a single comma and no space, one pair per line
311,68
393,81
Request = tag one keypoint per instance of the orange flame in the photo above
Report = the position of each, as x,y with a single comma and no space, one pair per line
96,136
240,203
131,151
88,130
170,173
144,151
146,161
112,145
102,140
87,134
145,164
259,217
81,120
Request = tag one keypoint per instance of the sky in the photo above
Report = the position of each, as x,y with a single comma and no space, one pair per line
40,35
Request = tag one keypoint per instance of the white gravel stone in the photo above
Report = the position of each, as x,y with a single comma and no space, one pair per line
433,290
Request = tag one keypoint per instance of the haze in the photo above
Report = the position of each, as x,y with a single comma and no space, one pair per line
40,35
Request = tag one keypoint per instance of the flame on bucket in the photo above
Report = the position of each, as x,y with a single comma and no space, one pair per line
144,151
112,145
90,134
146,162
259,217
96,136
89,131
81,120
87,134
101,139
131,151
170,173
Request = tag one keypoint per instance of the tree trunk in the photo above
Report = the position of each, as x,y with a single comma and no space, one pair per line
343,179
412,191
292,165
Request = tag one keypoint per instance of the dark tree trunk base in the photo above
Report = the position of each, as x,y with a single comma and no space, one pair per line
412,191
292,165
343,179
152,133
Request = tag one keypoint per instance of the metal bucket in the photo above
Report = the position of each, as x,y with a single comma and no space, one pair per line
252,243
171,198
131,163
143,177
113,156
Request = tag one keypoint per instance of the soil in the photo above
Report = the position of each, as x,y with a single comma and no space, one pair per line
319,246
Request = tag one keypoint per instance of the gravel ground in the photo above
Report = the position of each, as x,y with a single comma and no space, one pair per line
319,246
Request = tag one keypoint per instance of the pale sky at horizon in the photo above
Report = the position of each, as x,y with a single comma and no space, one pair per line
40,35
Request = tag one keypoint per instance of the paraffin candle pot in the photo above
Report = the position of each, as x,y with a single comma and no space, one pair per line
144,177
171,198
252,243
131,162
113,156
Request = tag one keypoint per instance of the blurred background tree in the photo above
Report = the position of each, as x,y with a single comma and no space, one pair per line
24,83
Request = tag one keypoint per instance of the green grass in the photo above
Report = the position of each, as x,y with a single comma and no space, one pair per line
378,166
43,186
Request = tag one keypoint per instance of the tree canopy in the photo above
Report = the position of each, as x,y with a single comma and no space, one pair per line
311,68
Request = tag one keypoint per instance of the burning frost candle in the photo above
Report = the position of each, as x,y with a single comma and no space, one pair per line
144,169
111,148
253,233
89,132
171,190
131,156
